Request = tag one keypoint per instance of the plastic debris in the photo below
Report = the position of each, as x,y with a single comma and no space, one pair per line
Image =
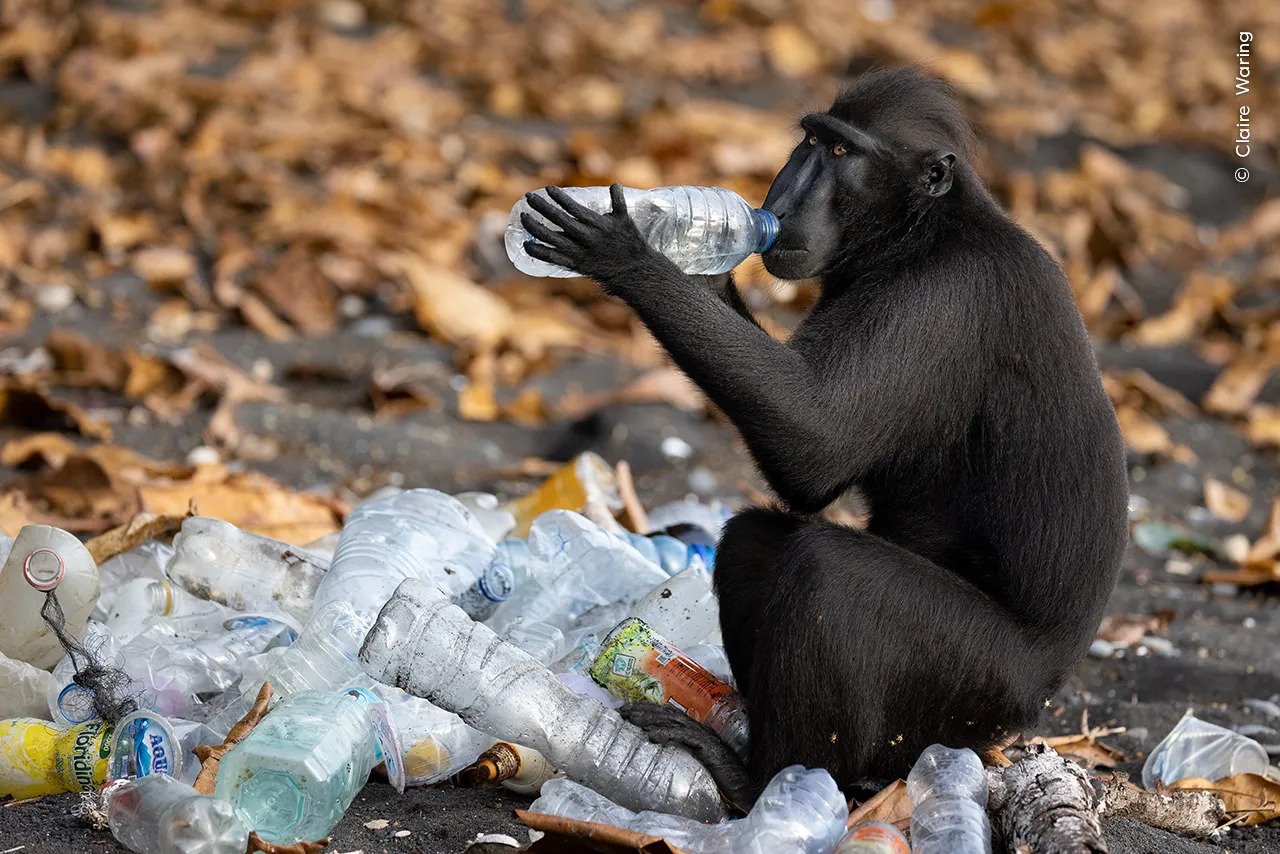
160,815
428,646
520,769
586,485
948,788
873,837
217,561
38,758
683,610
45,564
23,689
1196,748
294,775
636,664
800,811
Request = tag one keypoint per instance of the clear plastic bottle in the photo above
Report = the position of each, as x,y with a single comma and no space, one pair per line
23,689
574,568
800,812
703,230
44,558
682,609
948,788
147,560
586,485
636,665
139,601
428,646
160,815
418,533
215,560
294,775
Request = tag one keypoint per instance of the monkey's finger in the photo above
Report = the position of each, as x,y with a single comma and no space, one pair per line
580,212
619,200
553,213
545,233
543,252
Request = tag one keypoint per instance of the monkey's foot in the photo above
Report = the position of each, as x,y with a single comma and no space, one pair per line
665,725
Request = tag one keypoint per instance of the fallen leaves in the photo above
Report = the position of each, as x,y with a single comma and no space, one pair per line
1249,798
890,805
1260,563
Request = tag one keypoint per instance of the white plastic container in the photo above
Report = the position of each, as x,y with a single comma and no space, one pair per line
44,558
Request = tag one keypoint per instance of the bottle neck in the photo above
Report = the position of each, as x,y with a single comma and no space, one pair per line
766,229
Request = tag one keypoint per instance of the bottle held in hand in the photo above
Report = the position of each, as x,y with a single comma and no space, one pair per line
703,230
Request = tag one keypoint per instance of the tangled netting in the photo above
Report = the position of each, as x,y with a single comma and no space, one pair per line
114,692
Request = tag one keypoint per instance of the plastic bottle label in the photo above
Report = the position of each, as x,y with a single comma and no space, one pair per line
145,744
636,664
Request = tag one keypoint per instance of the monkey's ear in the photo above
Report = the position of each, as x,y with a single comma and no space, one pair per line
935,177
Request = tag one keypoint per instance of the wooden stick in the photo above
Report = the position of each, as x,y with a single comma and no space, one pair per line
1046,804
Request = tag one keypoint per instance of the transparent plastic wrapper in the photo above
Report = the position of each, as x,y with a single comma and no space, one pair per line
44,558
217,561
682,609
161,815
418,533
948,788
800,812
37,758
873,837
574,568
24,690
637,665
294,775
586,485
703,230
1196,748
146,561
428,646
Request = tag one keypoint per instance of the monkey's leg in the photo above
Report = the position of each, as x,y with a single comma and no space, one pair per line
865,653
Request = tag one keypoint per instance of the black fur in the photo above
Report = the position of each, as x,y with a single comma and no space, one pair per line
944,372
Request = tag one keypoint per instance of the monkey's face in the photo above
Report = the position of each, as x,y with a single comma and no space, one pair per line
822,196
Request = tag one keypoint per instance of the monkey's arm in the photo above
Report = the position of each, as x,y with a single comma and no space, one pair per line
813,429
726,290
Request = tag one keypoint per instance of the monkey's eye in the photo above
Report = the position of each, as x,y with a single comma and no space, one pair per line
813,140
838,150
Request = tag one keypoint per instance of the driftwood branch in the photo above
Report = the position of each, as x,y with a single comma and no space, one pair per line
1188,812
1046,804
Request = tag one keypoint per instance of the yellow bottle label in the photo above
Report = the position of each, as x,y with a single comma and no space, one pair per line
37,758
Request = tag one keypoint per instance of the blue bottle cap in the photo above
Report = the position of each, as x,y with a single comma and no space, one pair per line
766,229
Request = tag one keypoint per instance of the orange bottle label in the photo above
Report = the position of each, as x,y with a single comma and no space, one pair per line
636,664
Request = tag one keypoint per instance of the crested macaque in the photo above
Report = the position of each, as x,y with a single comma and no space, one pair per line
945,373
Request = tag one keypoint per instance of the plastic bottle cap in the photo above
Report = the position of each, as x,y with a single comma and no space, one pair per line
766,229
43,568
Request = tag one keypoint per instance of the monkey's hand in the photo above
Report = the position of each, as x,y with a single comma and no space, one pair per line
605,246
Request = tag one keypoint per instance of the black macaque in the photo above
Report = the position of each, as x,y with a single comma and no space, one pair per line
945,373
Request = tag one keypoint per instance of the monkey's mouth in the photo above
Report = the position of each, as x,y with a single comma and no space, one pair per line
787,263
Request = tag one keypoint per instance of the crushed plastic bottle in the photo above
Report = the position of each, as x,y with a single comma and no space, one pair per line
678,515
147,560
294,775
873,837
1196,748
140,601
161,815
575,568
23,689
683,609
948,788
800,812
217,561
585,485
428,646
418,533
636,665
44,558
703,230
37,758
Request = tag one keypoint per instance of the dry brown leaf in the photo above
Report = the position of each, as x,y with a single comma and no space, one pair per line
890,805
574,836
14,513
1267,547
1143,433
1201,296
298,290
313,846
1125,630
31,406
163,265
1086,748
211,755
1263,426
140,529
250,501
452,307
1237,386
78,361
1250,798
1225,502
